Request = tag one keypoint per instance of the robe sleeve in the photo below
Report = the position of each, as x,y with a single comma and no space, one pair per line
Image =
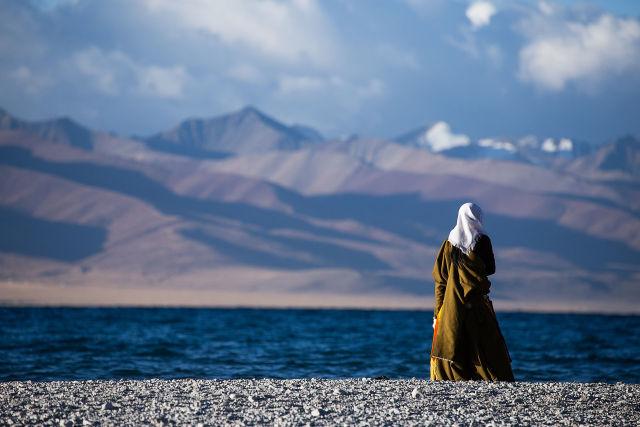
485,250
440,275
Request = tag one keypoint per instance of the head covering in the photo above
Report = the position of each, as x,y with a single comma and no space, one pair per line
468,228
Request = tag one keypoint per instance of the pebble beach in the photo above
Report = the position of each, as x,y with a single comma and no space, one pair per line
363,401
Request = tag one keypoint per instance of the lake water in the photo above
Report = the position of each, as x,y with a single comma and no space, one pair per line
92,343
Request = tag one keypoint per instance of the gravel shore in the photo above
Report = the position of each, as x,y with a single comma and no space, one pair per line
316,402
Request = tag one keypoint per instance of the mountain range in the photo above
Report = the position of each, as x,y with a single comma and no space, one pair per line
242,209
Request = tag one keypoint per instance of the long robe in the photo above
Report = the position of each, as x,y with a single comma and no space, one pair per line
467,341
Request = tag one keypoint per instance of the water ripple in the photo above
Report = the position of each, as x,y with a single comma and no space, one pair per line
91,343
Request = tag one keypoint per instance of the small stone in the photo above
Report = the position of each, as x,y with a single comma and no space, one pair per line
315,412
108,406
232,396
162,421
66,423
415,393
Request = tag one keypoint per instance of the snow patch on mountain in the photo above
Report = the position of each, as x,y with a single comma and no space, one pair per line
551,146
497,144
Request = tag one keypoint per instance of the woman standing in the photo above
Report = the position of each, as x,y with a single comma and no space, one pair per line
467,342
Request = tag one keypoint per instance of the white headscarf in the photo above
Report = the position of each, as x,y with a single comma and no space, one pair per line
468,228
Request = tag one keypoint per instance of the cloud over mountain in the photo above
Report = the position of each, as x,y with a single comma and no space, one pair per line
581,52
112,72
439,137
342,67
295,31
244,203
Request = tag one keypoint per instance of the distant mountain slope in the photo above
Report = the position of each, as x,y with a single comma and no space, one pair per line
352,219
547,152
620,156
247,130
62,130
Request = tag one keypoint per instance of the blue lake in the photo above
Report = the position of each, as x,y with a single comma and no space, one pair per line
92,343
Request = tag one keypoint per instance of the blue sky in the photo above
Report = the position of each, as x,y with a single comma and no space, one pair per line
377,68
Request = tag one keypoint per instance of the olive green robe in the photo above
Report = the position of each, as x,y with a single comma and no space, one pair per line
467,342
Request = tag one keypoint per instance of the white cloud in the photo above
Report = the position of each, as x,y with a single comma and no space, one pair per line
546,8
30,81
479,13
114,72
475,46
439,138
295,31
101,68
161,82
581,52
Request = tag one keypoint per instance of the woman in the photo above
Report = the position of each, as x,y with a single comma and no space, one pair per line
467,342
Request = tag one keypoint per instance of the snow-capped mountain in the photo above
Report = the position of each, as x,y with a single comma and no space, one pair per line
439,138
283,212
436,138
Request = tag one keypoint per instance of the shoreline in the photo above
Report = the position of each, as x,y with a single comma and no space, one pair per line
316,401
29,294
310,308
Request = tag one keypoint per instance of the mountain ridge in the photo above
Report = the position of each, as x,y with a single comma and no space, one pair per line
349,218
60,130
549,151
249,130
245,130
